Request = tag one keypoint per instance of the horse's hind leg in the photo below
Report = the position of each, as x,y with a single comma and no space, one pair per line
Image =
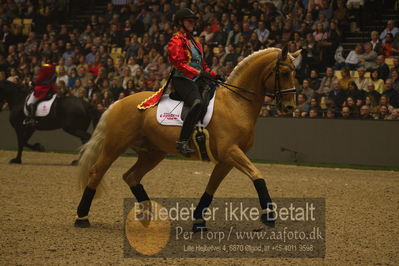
79,133
238,158
112,149
218,174
146,161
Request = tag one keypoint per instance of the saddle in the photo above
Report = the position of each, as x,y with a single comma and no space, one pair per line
43,106
207,90
170,112
200,135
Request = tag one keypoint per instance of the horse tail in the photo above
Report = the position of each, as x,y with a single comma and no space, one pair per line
90,152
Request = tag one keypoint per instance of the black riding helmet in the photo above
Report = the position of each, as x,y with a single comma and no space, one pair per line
184,13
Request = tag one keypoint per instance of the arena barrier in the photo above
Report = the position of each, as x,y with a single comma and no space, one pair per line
371,143
359,142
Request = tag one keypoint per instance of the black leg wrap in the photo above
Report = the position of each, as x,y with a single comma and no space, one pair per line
85,202
204,202
264,197
200,224
139,192
269,217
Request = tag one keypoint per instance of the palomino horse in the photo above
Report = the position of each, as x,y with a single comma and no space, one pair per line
231,130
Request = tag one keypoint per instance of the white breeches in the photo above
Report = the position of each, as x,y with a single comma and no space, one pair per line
32,99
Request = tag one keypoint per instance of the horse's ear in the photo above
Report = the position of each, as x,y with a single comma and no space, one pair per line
284,52
295,54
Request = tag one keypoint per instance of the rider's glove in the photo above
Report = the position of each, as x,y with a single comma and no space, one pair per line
220,78
205,74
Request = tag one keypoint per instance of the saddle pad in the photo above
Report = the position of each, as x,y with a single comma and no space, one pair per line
169,112
43,108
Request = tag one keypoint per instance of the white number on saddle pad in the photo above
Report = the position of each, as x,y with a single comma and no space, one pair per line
169,112
43,108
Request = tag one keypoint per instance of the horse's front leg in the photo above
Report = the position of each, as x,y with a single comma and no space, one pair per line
218,174
23,136
238,158
35,147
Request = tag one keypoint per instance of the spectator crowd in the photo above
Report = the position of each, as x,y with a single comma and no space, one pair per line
122,50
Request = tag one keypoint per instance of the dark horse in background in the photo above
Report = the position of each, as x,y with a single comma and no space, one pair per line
70,113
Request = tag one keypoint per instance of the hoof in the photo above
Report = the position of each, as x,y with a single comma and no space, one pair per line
16,161
38,147
269,219
75,162
198,227
82,223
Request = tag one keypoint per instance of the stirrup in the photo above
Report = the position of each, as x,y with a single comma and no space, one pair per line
183,147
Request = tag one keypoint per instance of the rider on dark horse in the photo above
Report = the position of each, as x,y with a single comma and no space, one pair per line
190,70
43,85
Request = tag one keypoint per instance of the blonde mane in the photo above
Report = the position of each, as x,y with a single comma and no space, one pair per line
246,61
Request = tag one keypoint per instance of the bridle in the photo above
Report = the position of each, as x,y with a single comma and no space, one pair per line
277,92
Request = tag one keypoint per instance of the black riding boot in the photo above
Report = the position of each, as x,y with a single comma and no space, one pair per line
30,121
188,127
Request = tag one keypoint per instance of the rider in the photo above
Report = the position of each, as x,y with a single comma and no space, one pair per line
44,83
186,56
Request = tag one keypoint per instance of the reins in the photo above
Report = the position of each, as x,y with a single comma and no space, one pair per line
229,86
278,93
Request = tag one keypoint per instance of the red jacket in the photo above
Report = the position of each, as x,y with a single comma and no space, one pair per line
180,54
94,69
387,49
45,82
